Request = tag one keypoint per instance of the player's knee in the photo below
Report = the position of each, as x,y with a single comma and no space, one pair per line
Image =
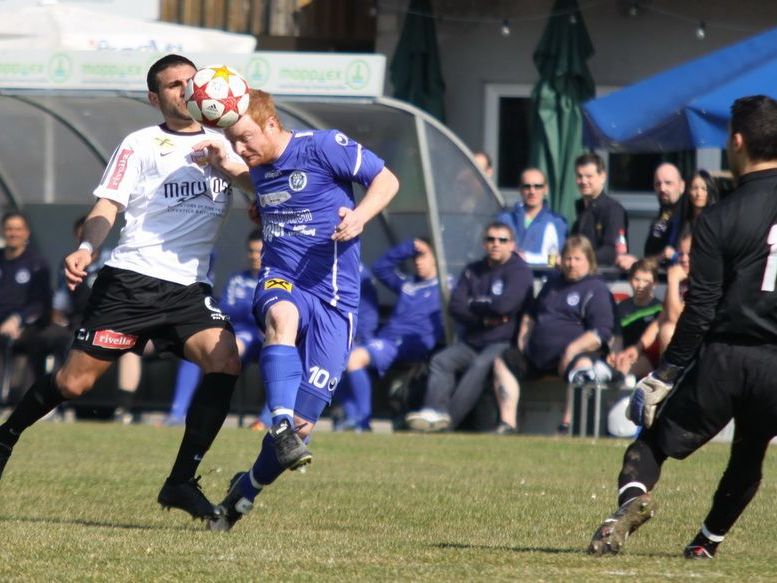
72,386
222,362
281,323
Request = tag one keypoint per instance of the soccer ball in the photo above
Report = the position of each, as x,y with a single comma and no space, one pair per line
216,96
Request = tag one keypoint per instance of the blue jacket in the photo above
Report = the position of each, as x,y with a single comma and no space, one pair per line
417,312
529,239
368,315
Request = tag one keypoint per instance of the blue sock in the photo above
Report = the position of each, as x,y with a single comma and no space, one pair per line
189,375
265,416
344,398
264,471
362,394
281,372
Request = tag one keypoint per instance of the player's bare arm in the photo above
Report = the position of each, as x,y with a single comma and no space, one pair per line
96,228
218,156
382,189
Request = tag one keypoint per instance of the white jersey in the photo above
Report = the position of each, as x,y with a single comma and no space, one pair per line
174,204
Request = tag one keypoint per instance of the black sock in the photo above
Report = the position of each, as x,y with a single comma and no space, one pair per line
124,399
41,398
641,468
206,415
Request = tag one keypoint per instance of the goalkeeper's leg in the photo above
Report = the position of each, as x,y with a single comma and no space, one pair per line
639,474
737,487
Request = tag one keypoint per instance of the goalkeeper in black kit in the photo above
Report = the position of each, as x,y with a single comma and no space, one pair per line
721,361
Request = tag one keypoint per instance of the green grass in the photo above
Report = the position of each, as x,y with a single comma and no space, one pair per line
78,503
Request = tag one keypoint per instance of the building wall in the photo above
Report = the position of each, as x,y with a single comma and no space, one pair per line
627,48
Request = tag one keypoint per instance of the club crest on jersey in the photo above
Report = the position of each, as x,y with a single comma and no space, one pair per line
165,145
297,180
341,139
573,299
497,287
277,283
22,276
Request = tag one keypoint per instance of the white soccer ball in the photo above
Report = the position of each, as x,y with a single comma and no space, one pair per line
216,96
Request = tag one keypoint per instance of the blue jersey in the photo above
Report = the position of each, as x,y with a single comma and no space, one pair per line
238,296
298,197
418,312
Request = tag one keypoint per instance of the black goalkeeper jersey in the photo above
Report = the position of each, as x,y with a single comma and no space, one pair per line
733,280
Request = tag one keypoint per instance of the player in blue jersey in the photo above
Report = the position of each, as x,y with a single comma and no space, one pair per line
413,330
308,293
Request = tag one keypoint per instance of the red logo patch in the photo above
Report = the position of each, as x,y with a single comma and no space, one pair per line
115,340
119,169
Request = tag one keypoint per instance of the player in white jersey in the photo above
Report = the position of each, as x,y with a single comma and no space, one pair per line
155,285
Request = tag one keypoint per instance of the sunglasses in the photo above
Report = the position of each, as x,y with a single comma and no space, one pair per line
534,186
502,240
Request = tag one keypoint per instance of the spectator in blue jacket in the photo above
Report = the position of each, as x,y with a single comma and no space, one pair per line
539,232
567,329
368,317
487,302
410,334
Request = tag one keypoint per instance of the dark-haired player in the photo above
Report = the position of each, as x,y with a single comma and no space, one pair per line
155,284
720,363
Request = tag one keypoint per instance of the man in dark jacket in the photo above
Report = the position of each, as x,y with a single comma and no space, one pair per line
601,219
487,303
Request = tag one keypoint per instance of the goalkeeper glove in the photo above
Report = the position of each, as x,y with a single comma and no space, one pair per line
650,392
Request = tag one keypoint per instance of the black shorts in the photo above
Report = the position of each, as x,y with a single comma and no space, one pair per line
126,309
728,382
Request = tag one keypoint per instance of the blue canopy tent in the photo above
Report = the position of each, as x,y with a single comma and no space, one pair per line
686,107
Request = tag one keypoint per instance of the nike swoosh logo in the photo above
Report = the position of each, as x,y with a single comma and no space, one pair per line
198,458
166,153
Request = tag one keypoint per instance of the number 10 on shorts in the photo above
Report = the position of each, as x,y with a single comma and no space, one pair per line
319,377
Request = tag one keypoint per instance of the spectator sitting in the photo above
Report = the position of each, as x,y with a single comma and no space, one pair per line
676,289
347,407
539,232
487,300
483,161
566,330
601,219
25,296
411,333
702,193
638,318
237,303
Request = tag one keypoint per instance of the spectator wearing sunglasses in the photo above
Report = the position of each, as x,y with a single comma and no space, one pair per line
487,303
539,232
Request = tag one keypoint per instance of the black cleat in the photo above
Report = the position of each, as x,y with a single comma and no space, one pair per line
187,496
5,455
610,537
232,508
289,448
700,548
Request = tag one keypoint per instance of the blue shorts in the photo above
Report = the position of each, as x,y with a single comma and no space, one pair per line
325,333
386,351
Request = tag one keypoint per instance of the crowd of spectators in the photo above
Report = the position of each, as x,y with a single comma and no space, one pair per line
504,334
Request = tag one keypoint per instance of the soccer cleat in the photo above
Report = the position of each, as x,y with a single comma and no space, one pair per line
187,496
700,548
232,508
610,537
5,455
290,450
428,420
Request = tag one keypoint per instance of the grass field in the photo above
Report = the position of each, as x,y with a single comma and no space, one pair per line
78,503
